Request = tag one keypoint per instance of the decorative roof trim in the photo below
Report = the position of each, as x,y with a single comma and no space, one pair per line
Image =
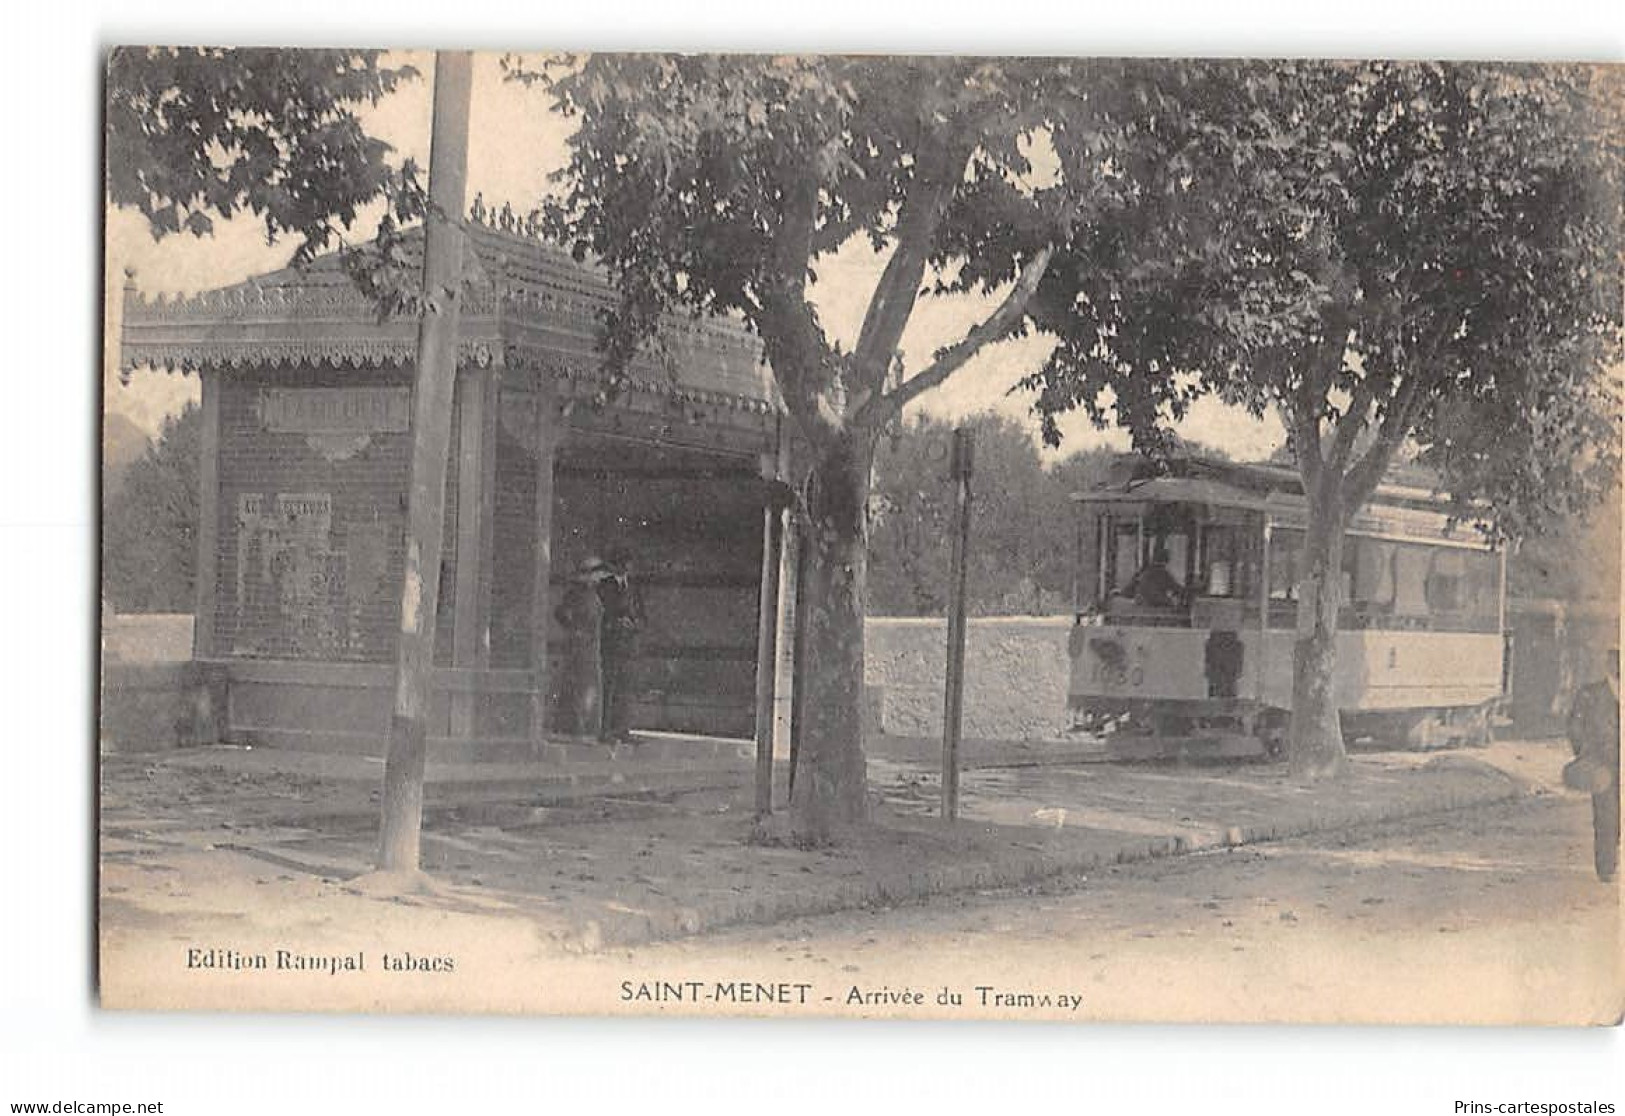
233,356
525,302
587,376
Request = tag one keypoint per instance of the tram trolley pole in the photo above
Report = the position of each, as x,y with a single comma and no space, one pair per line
960,467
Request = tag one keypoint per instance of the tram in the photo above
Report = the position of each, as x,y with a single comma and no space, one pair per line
1186,610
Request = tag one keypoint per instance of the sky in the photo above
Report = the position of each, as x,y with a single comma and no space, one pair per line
515,144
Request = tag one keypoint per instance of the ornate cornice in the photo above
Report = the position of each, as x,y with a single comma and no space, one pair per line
525,303
583,377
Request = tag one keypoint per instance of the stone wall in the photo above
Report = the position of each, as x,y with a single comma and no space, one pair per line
153,706
146,637
1016,675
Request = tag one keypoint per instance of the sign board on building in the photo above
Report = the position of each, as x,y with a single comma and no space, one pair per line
376,410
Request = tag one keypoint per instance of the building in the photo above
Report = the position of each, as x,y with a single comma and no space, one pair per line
306,401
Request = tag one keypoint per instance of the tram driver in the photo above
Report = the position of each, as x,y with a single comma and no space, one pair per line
1154,586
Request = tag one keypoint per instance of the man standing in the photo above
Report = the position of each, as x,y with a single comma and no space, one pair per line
622,620
1594,736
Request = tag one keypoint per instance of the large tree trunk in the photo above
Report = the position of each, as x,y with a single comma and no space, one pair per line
1315,748
831,780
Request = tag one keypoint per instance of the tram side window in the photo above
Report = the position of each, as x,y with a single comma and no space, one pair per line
1411,565
1413,585
1286,555
1484,590
1445,587
1463,590
1224,568
1369,580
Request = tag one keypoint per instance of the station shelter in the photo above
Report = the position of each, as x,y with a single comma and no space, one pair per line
306,408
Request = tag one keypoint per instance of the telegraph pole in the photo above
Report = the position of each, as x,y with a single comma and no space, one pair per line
432,392
960,466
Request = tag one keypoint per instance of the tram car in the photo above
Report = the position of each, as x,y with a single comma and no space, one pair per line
1187,609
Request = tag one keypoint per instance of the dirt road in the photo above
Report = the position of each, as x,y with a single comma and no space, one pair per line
1485,916
1490,917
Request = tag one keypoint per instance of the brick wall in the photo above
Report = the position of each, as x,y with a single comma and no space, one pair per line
293,581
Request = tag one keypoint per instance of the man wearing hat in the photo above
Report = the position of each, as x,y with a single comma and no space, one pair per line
1594,736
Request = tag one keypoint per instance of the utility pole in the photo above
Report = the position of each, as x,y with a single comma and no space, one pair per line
960,467
432,392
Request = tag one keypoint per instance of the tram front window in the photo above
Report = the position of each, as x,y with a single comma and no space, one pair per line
1147,560
1125,556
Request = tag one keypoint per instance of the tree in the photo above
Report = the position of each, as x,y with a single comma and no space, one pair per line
1391,256
717,184
1577,559
1024,526
197,133
149,523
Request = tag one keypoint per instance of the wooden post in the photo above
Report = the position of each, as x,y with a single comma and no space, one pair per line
1263,606
475,512
467,617
400,839
784,627
488,516
541,592
1077,558
784,636
960,468
766,645
798,656
206,583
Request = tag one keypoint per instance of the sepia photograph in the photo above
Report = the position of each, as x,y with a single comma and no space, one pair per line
879,536
818,536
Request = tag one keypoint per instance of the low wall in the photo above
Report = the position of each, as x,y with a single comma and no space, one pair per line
1016,676
149,637
152,706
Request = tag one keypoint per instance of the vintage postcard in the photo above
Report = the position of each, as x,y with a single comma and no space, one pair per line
861,537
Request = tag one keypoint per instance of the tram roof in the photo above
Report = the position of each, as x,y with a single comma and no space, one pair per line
1227,483
1176,490
1395,508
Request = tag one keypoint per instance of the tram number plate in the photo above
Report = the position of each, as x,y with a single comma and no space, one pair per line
1112,667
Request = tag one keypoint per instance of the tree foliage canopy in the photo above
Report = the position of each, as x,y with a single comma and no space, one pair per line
1387,254
196,133
150,522
1024,524
720,183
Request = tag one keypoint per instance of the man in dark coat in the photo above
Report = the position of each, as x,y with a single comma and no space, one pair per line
1154,586
1594,736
